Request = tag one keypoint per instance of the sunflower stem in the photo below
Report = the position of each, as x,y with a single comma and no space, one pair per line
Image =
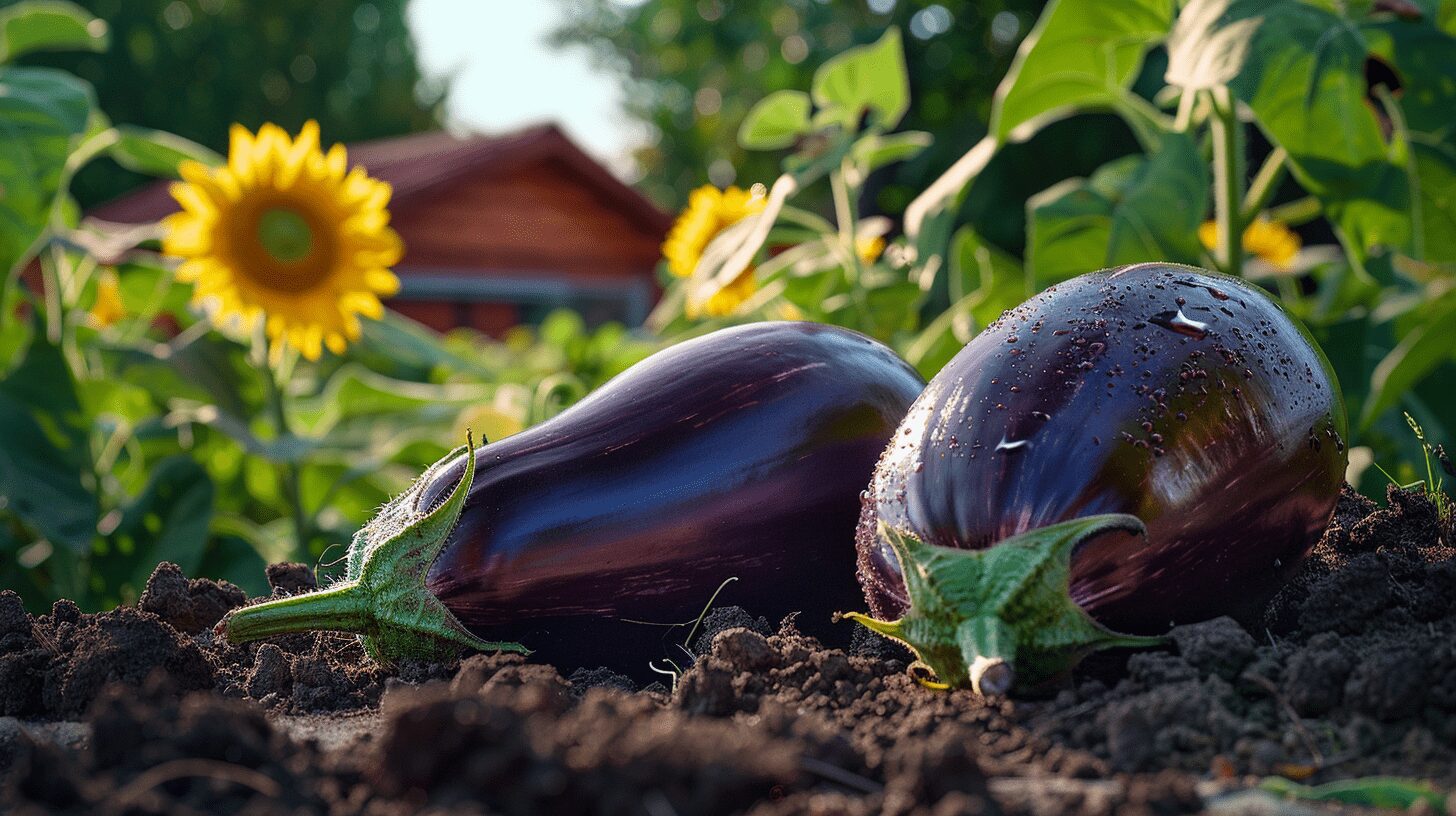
291,475
1228,171
845,212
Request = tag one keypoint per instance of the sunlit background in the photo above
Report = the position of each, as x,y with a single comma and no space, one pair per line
652,89
504,73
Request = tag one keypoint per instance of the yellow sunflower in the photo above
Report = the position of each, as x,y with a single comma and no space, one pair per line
108,308
869,248
1269,240
708,213
285,233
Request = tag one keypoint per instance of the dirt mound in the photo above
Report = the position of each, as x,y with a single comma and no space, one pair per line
54,665
1353,669
1351,672
189,606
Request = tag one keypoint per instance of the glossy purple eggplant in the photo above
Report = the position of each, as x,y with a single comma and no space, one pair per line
1165,394
742,454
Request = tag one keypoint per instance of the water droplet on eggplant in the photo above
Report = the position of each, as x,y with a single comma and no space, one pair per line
1175,320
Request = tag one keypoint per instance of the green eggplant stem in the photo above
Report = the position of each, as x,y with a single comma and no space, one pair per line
339,608
989,648
383,597
993,618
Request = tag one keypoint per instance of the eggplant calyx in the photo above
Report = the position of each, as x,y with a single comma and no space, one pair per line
383,597
992,618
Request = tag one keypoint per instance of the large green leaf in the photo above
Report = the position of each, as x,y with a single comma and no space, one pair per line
1419,352
1137,208
1081,54
866,78
156,152
872,152
1422,56
44,449
1303,76
49,25
776,121
41,112
1434,164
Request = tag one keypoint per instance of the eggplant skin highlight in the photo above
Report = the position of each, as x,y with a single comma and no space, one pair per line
1173,401
739,454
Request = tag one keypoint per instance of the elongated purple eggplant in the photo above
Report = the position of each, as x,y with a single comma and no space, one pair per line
1153,444
739,454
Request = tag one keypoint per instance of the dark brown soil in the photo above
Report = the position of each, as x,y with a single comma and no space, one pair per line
1352,672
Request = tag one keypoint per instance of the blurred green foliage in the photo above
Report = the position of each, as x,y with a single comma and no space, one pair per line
1238,121
194,67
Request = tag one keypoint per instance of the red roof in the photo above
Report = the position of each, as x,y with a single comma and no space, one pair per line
416,164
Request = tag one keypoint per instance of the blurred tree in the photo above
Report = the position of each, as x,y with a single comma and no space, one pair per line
693,68
193,67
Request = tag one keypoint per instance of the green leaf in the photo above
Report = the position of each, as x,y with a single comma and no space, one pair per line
400,344
44,449
1133,209
1434,175
1082,54
874,151
1384,792
356,392
1419,352
168,521
777,121
893,307
41,111
157,152
1420,53
1303,76
868,77
49,25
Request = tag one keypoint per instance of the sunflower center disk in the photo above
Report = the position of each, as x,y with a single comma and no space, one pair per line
285,235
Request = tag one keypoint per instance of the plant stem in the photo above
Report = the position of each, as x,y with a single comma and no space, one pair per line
340,608
1265,183
847,216
292,489
1296,212
53,303
1228,171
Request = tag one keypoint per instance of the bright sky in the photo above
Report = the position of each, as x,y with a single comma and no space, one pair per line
506,76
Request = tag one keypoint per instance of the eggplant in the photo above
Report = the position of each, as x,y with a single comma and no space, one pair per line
1132,449
742,453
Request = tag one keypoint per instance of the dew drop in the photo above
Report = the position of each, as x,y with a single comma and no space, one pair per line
1176,321
1005,445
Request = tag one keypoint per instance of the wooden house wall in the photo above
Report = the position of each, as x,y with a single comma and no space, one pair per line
534,217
